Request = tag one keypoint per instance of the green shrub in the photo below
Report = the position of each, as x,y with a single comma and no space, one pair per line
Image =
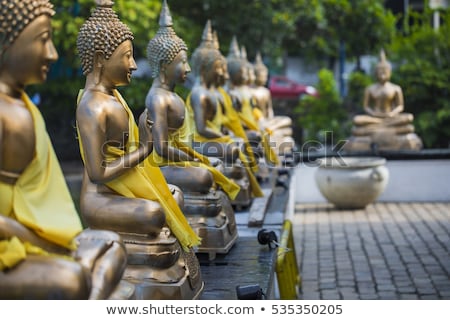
318,116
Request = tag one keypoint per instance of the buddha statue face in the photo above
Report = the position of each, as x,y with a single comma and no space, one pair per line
27,60
118,68
223,76
383,72
261,76
177,70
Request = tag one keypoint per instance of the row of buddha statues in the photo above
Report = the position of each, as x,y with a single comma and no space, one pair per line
156,190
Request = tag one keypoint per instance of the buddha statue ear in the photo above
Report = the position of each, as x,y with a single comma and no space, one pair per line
162,71
99,59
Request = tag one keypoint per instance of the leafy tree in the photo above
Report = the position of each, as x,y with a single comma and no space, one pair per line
318,116
422,59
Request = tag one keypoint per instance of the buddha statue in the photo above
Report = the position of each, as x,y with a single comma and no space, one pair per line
207,190
122,190
279,127
44,251
242,96
384,126
208,115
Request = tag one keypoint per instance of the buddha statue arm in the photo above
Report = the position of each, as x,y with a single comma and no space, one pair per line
270,113
12,228
368,102
93,135
397,102
200,104
157,107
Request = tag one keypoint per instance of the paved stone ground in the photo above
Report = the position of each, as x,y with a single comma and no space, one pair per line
387,251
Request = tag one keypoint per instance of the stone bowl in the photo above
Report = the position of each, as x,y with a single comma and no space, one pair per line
351,182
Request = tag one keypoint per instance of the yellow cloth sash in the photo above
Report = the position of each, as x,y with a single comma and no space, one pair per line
146,181
182,139
248,119
40,198
213,125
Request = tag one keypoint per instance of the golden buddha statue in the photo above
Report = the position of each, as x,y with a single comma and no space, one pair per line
209,115
279,127
44,252
242,96
385,126
122,190
207,190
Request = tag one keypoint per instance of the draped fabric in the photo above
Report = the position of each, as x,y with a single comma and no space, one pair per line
248,120
182,139
40,199
146,181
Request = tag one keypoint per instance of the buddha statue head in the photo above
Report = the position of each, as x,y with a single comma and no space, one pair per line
249,67
206,59
237,67
224,76
165,48
261,71
26,46
105,46
383,68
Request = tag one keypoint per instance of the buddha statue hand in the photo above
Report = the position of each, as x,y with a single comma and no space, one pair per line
145,130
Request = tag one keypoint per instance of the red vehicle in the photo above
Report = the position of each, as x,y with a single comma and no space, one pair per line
282,87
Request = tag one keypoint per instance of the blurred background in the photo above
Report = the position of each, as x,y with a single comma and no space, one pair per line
327,47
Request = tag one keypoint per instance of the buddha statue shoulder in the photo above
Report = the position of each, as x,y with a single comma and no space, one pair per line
122,189
44,251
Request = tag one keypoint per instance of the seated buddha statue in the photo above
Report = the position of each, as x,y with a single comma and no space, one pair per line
242,97
279,127
208,114
384,126
122,190
207,190
44,251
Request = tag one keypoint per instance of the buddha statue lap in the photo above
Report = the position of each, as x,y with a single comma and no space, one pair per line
279,127
44,251
122,190
206,190
242,97
384,126
208,115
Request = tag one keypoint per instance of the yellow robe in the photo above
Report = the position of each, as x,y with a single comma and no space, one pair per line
182,139
216,125
146,181
40,199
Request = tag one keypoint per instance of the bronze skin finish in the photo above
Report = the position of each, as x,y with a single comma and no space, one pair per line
96,266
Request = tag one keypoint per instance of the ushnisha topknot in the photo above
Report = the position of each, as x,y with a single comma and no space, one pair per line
15,15
103,31
165,45
383,61
259,64
234,59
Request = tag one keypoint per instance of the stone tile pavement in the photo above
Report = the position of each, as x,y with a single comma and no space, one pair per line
387,251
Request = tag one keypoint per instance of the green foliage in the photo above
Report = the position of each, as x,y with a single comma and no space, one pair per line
422,57
317,116
357,82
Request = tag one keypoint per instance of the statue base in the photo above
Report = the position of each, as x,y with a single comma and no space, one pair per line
160,270
212,218
384,141
238,175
